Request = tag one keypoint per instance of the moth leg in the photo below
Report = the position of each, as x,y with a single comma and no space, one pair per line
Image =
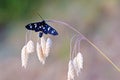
40,34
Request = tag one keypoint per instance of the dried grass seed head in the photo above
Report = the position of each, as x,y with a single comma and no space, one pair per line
78,63
43,44
30,46
71,71
40,54
24,56
48,46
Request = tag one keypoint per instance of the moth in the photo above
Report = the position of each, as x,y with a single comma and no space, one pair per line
41,27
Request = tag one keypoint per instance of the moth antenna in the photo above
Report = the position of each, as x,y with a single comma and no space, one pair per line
40,16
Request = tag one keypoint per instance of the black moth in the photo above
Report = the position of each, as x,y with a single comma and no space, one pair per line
41,27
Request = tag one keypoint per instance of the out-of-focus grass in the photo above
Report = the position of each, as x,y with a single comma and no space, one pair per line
65,49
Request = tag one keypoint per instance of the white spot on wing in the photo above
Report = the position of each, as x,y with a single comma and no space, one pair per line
35,25
30,26
53,31
49,28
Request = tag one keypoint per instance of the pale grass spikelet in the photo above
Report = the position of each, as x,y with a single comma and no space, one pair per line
71,71
48,46
43,44
40,54
78,63
30,46
24,56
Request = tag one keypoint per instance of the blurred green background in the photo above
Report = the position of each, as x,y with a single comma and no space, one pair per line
98,20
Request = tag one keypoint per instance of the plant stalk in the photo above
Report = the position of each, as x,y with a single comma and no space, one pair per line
69,26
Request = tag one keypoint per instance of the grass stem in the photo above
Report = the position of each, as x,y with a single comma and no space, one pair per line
69,26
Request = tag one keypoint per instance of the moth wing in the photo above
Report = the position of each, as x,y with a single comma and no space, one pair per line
51,30
38,27
44,29
30,26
